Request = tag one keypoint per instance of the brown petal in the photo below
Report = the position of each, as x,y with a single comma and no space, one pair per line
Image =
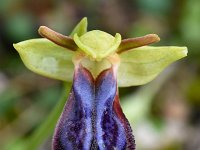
131,43
57,38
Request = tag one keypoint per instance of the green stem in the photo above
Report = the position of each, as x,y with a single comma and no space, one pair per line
47,127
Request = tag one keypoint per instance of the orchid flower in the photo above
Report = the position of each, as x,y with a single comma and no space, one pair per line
96,63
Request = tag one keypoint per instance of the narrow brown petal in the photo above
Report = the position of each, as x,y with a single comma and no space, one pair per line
57,38
130,43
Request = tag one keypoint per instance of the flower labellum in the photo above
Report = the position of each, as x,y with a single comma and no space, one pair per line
92,117
97,63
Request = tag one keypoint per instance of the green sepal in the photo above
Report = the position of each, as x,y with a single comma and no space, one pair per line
141,65
138,66
81,27
97,44
46,58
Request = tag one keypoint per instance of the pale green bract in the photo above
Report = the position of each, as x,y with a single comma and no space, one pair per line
137,66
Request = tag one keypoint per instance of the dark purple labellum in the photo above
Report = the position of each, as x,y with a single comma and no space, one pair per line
92,118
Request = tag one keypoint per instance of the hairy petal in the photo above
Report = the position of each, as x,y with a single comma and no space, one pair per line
113,129
92,117
74,130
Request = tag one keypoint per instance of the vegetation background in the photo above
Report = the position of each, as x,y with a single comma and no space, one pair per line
164,114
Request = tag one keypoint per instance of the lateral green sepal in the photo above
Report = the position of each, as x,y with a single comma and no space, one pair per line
46,58
141,65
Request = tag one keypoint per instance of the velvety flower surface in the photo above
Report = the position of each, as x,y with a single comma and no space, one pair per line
97,63
92,117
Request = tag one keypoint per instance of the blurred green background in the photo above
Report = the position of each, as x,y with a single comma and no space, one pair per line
164,114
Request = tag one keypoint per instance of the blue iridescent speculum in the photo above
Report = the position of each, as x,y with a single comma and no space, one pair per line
92,118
